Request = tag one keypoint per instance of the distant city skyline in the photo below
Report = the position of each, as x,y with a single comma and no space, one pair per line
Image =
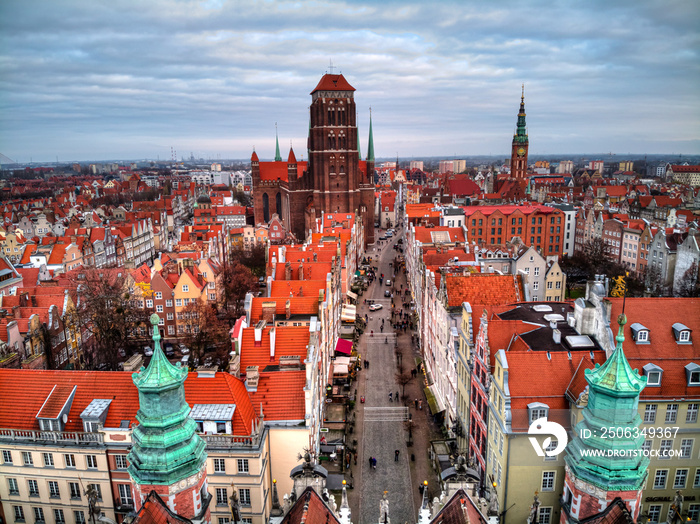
126,80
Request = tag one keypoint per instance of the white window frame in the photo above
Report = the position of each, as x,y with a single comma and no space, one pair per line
691,415
219,465
69,459
244,496
671,413
650,414
660,475
681,475
120,461
91,461
243,466
548,480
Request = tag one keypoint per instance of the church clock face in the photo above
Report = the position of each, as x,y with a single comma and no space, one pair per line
521,151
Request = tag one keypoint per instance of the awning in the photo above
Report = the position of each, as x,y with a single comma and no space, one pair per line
343,346
434,402
340,369
348,313
351,295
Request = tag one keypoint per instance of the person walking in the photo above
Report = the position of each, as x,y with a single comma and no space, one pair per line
370,461
415,403
397,396
390,397
420,404
396,455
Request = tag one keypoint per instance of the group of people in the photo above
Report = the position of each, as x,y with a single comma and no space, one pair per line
391,396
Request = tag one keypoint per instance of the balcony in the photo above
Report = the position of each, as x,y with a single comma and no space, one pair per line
231,441
57,437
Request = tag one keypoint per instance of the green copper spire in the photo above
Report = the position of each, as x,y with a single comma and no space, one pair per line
609,426
520,136
370,147
166,447
278,157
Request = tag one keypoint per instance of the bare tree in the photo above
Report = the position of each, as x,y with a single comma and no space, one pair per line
204,332
403,379
111,319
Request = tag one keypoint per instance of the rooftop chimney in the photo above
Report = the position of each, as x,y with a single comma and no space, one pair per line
268,311
251,378
288,309
556,335
288,271
258,332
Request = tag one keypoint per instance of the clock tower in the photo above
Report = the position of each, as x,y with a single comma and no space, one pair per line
518,154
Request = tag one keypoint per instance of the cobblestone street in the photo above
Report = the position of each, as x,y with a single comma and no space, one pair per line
381,424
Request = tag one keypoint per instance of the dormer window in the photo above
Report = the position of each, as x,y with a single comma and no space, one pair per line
692,374
537,410
681,332
640,334
653,374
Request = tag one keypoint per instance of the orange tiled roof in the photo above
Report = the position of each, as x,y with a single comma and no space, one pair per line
658,315
297,306
311,270
23,392
289,341
333,83
483,288
297,288
281,394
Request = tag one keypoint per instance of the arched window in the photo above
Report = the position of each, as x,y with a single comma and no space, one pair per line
278,203
266,208
342,170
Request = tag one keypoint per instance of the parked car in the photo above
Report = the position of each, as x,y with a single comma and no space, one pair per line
388,282
185,361
183,349
169,350
387,293
375,307
147,351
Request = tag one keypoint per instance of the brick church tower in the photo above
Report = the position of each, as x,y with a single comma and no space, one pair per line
601,465
333,180
167,455
518,153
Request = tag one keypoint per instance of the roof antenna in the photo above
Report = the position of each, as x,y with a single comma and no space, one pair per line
331,67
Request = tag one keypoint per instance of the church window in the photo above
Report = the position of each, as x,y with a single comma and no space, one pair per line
266,207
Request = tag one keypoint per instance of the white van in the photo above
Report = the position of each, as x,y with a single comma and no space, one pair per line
185,361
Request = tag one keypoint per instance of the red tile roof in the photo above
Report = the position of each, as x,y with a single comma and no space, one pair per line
281,394
23,392
658,315
297,306
483,288
289,341
333,83
297,288
309,508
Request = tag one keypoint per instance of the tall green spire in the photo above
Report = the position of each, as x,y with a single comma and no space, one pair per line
278,157
520,136
166,447
370,147
607,455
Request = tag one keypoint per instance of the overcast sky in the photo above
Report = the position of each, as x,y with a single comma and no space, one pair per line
120,79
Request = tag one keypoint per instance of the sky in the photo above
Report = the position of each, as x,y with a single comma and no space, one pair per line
122,79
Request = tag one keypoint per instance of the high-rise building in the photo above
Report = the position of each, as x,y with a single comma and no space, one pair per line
518,155
333,180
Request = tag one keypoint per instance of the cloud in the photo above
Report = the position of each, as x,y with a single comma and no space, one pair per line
127,79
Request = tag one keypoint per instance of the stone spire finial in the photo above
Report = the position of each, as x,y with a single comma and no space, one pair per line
384,510
424,513
345,507
276,510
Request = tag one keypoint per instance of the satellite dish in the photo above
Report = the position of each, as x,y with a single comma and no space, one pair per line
65,418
